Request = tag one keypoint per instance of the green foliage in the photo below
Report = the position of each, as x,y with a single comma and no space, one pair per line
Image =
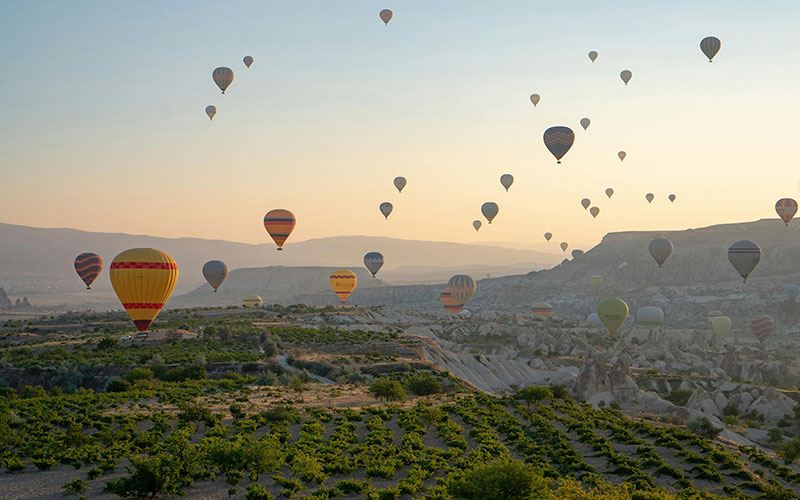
107,344
257,491
501,479
775,434
679,397
387,389
75,487
790,450
703,427
536,393
424,384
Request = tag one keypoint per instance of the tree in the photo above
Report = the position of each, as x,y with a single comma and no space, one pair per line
430,416
703,427
536,393
424,384
789,451
210,332
775,434
387,389
503,479
107,344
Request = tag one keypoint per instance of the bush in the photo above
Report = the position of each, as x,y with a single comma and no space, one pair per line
237,410
680,397
789,451
560,392
387,389
424,384
116,384
536,393
775,434
76,487
107,344
501,479
731,409
278,414
257,491
703,427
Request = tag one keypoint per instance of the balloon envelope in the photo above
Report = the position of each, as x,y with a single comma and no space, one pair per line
650,316
215,271
744,255
279,224
386,208
535,98
386,16
786,208
252,301
710,45
612,313
343,282
461,286
547,236
373,261
594,211
592,55
626,76
399,183
622,155
596,280
563,246
649,197
721,326
762,327
585,122
558,140
211,111
88,265
449,302
489,210
609,192
143,279
660,250
506,180
223,77
542,309
594,319
248,61
671,198
476,224
585,203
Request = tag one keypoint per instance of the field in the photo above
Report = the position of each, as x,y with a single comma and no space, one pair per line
225,404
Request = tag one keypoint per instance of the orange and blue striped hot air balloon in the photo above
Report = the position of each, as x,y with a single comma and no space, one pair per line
279,223
343,282
143,279
786,208
449,302
88,265
542,309
461,286
558,141
762,327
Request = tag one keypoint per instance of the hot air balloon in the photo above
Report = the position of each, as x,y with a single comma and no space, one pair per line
547,236
612,313
713,314
476,224
585,122
649,197
248,61
563,246
558,140
223,77
762,327
710,45
592,55
489,210
744,256
576,253
622,155
461,286
386,208
721,326
399,183
211,111
786,208
88,266
650,316
215,271
609,192
373,261
252,302
594,211
343,282
386,16
596,280
143,279
593,319
449,303
506,180
792,291
279,223
542,309
585,203
626,76
671,198
535,99
660,249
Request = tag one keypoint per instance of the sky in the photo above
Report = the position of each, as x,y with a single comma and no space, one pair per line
104,128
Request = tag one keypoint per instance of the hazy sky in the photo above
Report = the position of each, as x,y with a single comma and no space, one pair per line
104,126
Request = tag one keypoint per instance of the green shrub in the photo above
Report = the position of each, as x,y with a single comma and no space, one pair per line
424,384
75,487
501,479
387,389
257,491
679,397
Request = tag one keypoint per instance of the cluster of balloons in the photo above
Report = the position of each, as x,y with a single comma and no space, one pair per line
223,78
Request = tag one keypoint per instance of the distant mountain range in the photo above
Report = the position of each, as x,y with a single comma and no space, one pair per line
38,261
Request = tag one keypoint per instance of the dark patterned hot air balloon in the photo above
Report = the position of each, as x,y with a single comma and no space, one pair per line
786,208
373,261
710,45
558,141
762,327
223,77
279,223
215,271
88,266
744,256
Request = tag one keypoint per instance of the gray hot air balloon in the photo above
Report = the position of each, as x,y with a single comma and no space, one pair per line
710,45
626,76
744,256
211,111
558,140
248,61
622,155
386,16
564,245
386,209
649,197
650,316
576,254
547,236
585,122
592,55
223,77
660,249
215,271
609,192
594,319
535,98
594,211
489,210
671,198
373,261
399,183
585,203
506,180
476,224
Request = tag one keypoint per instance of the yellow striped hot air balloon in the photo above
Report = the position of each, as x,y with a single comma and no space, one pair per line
542,309
596,280
252,301
343,283
461,286
143,279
